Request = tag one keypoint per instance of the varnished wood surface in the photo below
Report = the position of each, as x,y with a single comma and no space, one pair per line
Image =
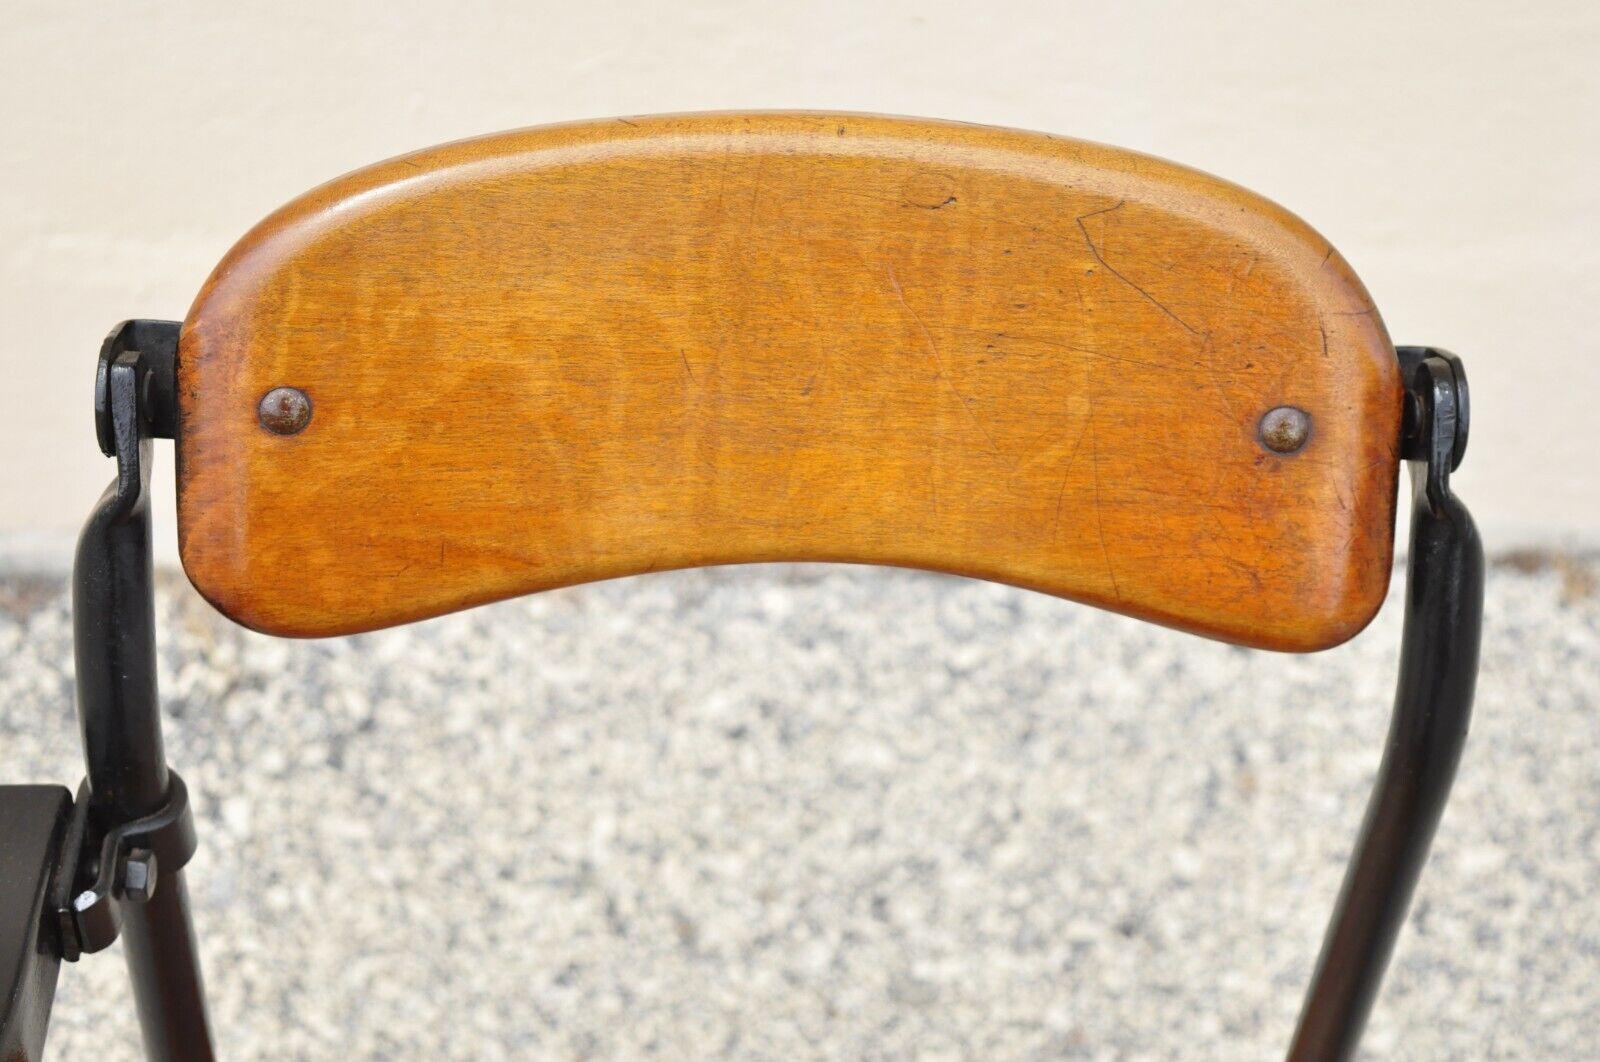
594,350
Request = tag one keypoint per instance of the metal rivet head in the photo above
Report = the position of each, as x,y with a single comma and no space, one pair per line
284,411
1285,429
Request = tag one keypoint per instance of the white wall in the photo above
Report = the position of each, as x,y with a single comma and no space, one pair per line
1450,150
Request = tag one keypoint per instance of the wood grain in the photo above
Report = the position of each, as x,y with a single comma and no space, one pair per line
595,350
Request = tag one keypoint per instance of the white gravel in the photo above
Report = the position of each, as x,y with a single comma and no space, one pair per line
836,813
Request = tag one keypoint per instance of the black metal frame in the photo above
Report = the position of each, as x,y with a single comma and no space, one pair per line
1432,707
72,874
119,867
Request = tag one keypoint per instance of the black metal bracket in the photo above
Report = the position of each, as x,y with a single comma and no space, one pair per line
1433,706
94,880
1437,415
63,887
153,346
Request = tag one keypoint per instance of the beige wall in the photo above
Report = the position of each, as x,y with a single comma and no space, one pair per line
1450,150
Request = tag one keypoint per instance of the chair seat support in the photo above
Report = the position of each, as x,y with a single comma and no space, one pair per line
94,881
33,825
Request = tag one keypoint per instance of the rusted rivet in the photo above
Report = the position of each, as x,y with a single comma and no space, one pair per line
284,411
1285,429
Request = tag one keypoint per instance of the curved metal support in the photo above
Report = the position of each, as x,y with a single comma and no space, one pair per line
1438,673
114,634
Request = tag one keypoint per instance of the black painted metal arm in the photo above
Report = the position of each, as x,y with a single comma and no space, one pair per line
129,786
114,861
1438,673
74,874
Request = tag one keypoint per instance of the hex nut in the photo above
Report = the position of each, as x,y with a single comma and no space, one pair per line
139,876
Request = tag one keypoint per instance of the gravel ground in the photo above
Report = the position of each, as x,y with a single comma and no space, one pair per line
839,813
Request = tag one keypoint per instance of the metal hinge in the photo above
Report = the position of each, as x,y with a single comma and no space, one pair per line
1437,416
154,347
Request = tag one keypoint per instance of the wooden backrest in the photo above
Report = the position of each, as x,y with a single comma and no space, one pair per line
593,350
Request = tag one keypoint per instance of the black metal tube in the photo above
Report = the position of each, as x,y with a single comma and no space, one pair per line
114,633
1438,674
164,965
113,616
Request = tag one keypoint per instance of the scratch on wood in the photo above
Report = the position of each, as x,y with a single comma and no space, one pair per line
1221,536
1099,523
1061,491
722,176
1243,569
755,190
938,361
1098,257
1008,335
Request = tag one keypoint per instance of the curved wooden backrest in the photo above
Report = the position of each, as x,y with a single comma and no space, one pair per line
593,350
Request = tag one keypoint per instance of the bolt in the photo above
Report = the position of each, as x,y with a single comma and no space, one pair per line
139,876
1285,429
284,411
